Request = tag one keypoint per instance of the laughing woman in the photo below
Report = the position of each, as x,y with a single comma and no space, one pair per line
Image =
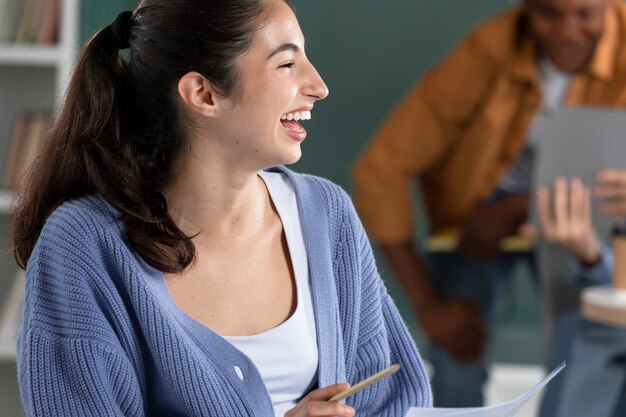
173,266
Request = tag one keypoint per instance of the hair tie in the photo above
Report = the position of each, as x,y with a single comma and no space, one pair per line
121,29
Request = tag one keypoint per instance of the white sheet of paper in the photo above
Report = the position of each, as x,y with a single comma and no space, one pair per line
507,409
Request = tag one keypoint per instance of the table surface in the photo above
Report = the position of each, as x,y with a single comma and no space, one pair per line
446,240
605,304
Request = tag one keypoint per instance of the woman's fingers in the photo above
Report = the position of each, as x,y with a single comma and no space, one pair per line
326,393
610,183
328,409
316,404
579,204
560,208
566,218
610,189
611,176
567,215
616,209
316,408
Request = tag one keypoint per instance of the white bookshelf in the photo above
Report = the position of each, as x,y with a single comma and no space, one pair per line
7,352
34,78
7,199
19,55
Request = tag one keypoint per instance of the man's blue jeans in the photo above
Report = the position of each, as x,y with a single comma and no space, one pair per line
455,383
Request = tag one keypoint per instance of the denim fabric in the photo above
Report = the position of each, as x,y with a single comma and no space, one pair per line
592,352
596,380
454,383
565,329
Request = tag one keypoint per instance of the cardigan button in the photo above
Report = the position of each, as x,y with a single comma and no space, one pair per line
238,372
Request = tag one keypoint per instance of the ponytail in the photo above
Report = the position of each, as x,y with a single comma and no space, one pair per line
90,150
121,124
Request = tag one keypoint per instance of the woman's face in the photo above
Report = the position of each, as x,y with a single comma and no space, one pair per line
278,86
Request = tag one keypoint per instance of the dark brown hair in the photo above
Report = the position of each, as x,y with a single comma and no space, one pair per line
121,123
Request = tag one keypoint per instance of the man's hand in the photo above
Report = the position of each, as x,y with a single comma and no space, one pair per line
481,234
456,325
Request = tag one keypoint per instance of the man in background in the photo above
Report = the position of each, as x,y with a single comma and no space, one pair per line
467,133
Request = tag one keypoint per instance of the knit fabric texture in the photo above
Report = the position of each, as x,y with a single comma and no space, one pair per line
97,341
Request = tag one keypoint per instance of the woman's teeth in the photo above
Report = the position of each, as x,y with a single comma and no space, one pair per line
299,115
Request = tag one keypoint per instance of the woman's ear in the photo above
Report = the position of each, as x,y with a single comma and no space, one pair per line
199,94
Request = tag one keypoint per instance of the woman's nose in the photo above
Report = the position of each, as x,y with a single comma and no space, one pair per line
316,87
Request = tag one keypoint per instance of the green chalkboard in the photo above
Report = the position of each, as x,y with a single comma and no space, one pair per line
95,14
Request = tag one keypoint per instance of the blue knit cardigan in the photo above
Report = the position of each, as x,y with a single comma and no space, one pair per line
97,340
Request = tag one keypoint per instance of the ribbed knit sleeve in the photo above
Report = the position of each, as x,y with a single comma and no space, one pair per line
70,358
375,334
63,376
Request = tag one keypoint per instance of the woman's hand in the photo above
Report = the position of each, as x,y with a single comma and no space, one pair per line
610,189
566,219
316,403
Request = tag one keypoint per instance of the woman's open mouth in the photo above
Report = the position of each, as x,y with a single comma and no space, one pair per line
291,125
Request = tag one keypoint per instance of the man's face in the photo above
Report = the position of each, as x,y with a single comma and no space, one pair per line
566,31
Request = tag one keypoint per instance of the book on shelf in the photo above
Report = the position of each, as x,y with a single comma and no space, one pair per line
17,135
28,12
29,21
28,132
49,28
10,12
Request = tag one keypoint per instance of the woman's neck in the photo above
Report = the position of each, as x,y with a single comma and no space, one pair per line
224,201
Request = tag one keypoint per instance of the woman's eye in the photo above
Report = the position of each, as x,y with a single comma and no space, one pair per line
287,65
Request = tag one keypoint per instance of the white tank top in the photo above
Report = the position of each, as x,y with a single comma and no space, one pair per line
286,355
